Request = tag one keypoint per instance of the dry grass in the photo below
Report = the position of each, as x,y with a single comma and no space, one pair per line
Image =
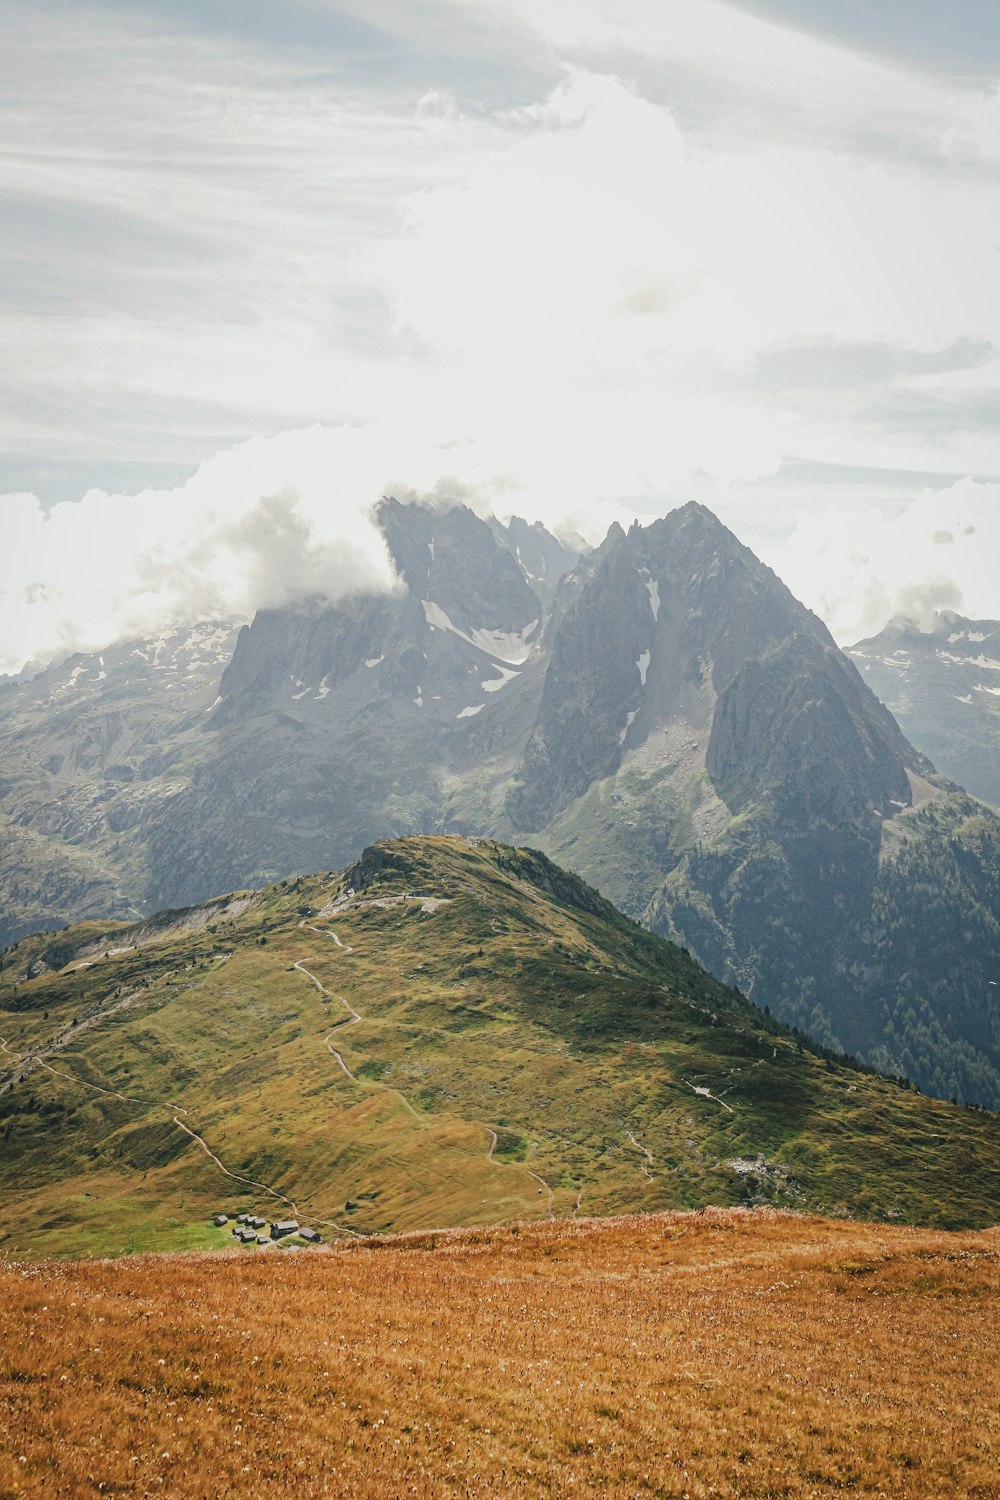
722,1353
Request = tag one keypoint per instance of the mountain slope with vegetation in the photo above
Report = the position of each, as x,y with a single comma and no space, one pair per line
660,715
450,1032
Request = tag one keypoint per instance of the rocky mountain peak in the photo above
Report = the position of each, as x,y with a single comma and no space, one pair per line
447,554
651,628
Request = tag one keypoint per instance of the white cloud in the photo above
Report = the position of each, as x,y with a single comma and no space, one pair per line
563,308
270,520
857,569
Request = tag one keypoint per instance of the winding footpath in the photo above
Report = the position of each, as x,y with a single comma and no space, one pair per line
543,1188
704,1093
250,1181
155,1104
647,1154
353,1018
39,1062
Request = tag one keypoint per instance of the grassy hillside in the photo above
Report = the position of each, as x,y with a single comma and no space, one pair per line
451,1033
726,1353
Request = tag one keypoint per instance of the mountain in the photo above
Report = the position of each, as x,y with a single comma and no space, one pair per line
92,747
159,772
708,757
450,1032
372,717
660,715
943,686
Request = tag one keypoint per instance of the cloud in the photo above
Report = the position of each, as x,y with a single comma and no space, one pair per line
857,569
680,310
268,521
706,252
834,364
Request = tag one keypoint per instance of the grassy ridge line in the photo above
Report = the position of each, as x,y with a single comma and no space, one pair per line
495,994
726,1352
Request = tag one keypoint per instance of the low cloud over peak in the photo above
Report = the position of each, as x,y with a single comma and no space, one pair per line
265,522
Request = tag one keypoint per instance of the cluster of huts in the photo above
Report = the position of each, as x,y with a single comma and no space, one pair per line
249,1229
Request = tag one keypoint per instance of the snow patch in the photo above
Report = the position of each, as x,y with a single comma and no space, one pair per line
531,577
467,713
653,589
643,665
419,699
494,684
324,688
373,661
987,663
982,688
512,647
629,720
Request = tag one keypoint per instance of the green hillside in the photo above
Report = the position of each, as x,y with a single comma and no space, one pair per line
452,1032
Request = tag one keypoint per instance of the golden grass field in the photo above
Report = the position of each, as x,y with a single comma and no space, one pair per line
725,1352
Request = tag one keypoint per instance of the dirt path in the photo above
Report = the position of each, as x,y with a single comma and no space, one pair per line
354,1017
250,1181
352,1020
326,932
39,1062
333,1051
704,1093
493,1142
639,1147
544,1186
153,1104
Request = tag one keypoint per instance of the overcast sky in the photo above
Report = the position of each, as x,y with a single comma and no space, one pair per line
576,259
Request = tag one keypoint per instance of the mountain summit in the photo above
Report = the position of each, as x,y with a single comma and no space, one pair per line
450,1031
660,715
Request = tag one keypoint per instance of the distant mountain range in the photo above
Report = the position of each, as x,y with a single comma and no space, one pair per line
943,686
449,1032
659,714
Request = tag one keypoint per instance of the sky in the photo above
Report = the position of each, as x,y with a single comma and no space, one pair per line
579,260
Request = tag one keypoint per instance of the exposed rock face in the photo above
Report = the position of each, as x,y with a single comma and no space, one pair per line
342,722
653,628
93,748
660,715
943,686
798,724
452,557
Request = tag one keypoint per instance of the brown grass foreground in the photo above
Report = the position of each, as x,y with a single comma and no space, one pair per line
719,1353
